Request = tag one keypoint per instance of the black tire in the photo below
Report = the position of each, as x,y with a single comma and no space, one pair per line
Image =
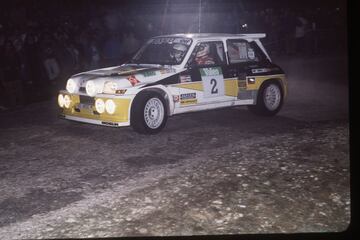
261,108
138,115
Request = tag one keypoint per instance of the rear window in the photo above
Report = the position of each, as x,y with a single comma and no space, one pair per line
240,50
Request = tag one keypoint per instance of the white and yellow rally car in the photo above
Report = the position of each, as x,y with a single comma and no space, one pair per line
176,74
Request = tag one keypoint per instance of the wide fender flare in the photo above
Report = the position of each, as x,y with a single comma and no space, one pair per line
278,81
163,91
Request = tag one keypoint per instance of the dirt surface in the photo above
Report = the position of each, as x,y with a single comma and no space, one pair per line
216,172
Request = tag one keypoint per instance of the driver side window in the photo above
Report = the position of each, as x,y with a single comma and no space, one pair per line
207,54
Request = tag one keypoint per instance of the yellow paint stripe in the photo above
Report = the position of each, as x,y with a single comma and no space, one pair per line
231,87
193,86
260,79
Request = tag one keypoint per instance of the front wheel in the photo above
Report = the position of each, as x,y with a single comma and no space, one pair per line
148,113
269,99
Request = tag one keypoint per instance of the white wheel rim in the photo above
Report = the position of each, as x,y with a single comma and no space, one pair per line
272,97
154,113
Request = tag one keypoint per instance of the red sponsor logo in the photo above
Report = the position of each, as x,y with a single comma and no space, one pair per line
132,79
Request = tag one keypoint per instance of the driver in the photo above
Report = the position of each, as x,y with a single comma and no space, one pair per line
178,52
203,55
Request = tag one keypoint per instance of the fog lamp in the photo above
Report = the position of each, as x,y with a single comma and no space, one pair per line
110,106
67,101
100,105
61,100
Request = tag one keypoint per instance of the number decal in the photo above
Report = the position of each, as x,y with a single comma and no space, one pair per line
213,83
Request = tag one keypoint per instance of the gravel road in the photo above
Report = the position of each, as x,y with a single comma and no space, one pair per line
214,172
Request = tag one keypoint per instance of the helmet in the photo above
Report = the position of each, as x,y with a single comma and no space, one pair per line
179,47
178,51
204,50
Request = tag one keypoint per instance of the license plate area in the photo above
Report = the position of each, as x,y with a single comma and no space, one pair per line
84,106
87,100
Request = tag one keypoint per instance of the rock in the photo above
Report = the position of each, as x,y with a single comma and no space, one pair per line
217,202
143,230
70,220
322,213
267,183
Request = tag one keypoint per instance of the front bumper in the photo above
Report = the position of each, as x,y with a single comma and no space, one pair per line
82,109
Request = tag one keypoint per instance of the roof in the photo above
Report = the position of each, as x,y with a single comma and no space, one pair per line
204,36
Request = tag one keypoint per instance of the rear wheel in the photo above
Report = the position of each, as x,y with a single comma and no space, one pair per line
269,99
148,113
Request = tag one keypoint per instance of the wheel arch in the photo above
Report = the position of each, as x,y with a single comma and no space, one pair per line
160,90
278,81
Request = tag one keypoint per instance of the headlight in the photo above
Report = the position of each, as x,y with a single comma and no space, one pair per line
67,101
91,88
110,87
100,105
61,101
71,86
110,106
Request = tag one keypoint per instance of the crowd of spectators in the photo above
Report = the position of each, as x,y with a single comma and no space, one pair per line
300,31
39,53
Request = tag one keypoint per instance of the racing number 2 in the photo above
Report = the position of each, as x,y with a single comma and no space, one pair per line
213,83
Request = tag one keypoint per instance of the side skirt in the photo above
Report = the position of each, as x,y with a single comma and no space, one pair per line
213,106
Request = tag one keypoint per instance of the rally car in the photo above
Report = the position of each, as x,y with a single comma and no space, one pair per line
175,74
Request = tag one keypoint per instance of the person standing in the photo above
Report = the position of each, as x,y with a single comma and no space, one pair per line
11,81
300,32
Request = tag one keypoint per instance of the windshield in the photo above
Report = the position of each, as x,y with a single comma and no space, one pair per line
163,50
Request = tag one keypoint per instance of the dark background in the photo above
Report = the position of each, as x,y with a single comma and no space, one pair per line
42,43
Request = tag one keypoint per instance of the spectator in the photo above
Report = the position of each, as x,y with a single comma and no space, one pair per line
113,51
51,66
130,44
11,76
2,79
300,32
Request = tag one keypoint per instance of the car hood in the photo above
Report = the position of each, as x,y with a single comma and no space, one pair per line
125,76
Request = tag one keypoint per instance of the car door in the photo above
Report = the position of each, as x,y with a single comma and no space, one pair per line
203,82
244,59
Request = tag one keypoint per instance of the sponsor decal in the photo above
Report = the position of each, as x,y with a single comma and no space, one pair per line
132,79
188,101
185,78
188,98
251,53
170,40
176,98
110,123
120,91
166,70
210,71
264,70
149,73
260,70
